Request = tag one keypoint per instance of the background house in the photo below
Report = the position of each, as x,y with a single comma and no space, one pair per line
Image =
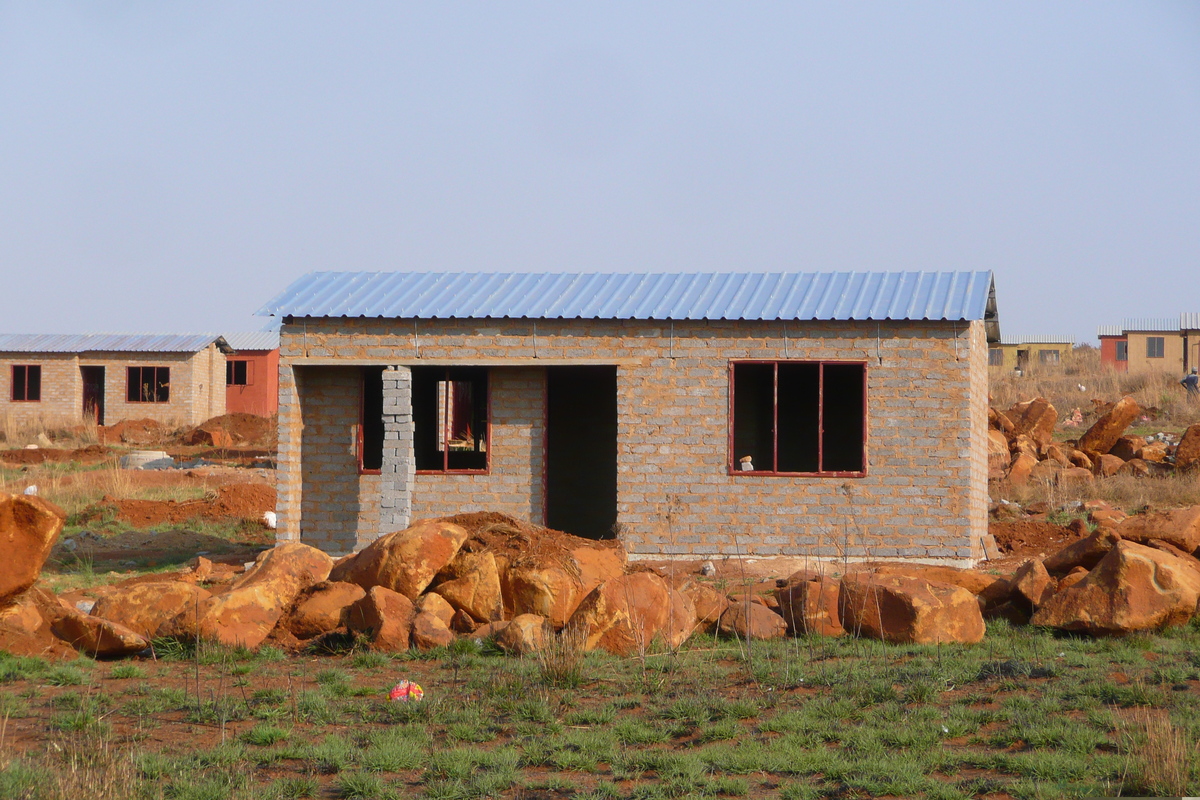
107,377
1022,352
822,415
1114,347
252,373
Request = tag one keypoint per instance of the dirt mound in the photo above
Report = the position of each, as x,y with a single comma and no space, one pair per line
85,455
1029,537
241,429
152,549
134,431
518,541
233,501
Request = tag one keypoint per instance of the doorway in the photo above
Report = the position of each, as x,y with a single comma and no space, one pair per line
581,450
93,393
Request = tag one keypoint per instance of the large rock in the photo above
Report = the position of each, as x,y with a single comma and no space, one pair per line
1079,459
150,609
1085,553
475,588
322,608
1155,452
1032,585
1187,454
811,606
405,561
25,626
989,588
525,634
1179,526
998,455
681,618
1108,465
1037,421
1128,447
29,527
623,615
597,565
98,637
708,602
1133,588
433,603
1074,476
429,631
384,617
909,610
1020,469
1103,435
255,602
544,588
749,620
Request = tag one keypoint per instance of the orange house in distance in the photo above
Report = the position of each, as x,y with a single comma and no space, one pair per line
1114,347
252,373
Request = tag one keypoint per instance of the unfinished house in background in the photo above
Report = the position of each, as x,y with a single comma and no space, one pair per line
252,373
107,377
1025,352
799,414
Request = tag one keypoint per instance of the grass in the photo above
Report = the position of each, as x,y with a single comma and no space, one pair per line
1025,713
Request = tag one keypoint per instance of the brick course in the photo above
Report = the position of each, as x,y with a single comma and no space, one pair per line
924,494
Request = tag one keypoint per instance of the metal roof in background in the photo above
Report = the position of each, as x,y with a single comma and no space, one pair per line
1048,339
692,296
1189,322
1155,325
108,342
1109,330
253,340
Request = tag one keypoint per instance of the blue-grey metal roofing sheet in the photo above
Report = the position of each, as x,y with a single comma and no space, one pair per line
1109,330
1189,322
1052,338
106,342
1155,325
790,295
253,340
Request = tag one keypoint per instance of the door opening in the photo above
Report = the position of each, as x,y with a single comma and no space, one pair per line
581,450
93,393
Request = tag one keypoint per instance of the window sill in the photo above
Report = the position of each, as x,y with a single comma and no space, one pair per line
452,472
26,401
362,471
762,473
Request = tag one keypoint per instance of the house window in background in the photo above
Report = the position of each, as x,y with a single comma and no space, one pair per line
1048,356
237,373
27,383
1155,346
995,357
148,385
1122,351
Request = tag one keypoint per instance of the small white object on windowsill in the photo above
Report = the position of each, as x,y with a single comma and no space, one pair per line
746,463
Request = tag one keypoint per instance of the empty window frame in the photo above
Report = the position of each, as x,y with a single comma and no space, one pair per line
1155,346
1048,356
798,417
238,373
1122,351
27,383
995,357
370,421
450,419
148,384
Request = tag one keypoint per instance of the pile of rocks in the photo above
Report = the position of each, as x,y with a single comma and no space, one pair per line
1021,447
443,579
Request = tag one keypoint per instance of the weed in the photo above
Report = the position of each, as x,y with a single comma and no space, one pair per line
264,735
126,672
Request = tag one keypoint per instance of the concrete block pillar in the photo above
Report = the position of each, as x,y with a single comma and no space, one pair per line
399,464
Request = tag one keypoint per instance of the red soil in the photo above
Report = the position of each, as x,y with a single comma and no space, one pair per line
233,501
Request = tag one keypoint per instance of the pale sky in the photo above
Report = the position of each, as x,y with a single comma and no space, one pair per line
172,166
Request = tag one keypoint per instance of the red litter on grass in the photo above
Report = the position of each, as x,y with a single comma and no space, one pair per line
405,691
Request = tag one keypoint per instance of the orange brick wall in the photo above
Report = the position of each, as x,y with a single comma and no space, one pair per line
924,495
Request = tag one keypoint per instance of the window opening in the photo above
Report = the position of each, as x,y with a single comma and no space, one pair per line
148,385
237,373
370,421
450,419
27,383
1122,351
1155,346
793,417
1048,356
995,357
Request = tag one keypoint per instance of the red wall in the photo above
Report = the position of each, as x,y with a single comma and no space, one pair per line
1108,353
260,395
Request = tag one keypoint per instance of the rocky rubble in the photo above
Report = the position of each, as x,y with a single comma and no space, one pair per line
1020,448
490,576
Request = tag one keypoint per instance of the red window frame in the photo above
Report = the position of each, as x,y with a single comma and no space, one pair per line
732,465
487,435
24,383
155,384
360,437
231,372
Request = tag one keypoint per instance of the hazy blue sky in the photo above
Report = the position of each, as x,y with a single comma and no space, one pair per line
171,166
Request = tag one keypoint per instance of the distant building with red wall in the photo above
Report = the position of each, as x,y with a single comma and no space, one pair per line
1114,347
252,373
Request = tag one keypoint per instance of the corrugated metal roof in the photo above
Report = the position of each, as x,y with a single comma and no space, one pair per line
253,340
107,342
1048,339
1189,322
1109,330
792,295
1142,324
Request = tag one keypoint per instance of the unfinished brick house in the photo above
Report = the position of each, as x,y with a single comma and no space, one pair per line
57,379
821,415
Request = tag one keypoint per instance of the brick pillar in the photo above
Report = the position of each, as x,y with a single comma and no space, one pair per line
287,471
399,466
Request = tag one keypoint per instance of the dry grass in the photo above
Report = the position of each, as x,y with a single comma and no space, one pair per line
1059,383
74,489
1160,757
62,430
1123,491
560,658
